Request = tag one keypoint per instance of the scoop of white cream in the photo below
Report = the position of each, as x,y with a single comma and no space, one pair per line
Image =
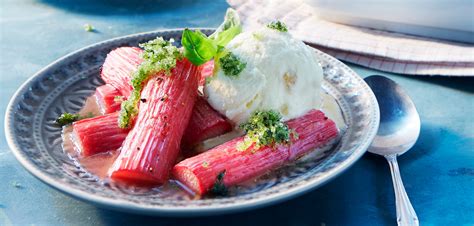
281,74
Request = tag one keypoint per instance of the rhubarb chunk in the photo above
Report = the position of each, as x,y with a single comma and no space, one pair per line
314,130
152,146
106,98
199,173
98,134
205,123
207,70
122,62
119,66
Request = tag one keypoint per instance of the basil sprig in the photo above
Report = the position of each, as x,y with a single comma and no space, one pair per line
198,48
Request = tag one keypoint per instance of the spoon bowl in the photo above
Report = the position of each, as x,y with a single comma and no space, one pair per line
398,131
399,121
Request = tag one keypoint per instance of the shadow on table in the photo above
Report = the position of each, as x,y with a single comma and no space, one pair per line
120,7
462,83
426,143
395,35
465,84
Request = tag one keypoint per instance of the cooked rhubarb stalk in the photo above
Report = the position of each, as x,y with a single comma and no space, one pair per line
150,149
98,134
200,173
108,98
119,66
205,123
122,62
314,130
207,69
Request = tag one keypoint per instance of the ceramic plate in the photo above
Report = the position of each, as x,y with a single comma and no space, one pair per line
65,84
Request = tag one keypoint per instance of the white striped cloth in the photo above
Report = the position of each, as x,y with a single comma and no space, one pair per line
382,50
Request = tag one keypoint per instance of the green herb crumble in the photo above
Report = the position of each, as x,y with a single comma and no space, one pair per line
265,128
159,56
68,118
278,25
219,187
231,65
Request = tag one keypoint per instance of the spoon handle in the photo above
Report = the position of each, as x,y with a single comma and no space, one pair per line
405,213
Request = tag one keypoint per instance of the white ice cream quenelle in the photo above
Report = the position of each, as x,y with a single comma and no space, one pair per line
281,74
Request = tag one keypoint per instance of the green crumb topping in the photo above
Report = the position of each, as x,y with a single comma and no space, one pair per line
158,55
68,118
265,128
278,25
231,64
88,28
219,187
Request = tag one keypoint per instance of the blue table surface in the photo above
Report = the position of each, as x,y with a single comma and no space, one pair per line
438,172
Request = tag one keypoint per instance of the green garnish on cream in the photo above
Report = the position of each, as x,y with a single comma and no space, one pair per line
231,65
278,25
159,56
265,128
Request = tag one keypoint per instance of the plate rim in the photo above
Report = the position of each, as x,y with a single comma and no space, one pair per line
170,211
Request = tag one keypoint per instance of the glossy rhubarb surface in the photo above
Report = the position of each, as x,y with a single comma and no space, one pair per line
199,173
99,134
119,66
207,69
205,123
152,146
106,98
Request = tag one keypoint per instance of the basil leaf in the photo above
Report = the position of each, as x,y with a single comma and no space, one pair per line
230,28
197,47
227,35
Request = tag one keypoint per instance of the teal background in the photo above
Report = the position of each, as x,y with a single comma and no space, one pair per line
438,172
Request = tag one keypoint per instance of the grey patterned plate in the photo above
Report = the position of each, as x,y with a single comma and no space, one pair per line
64,85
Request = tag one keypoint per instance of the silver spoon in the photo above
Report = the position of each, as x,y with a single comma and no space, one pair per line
398,131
